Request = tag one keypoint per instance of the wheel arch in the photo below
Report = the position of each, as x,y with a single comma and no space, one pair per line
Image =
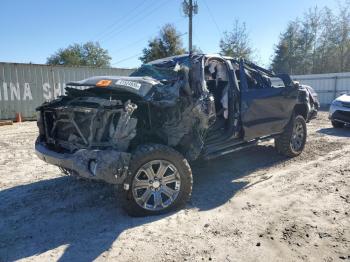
302,110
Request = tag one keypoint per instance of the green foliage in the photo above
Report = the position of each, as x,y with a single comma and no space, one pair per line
88,54
236,43
318,43
288,52
168,43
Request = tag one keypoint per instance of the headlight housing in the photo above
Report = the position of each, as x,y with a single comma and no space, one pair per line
336,103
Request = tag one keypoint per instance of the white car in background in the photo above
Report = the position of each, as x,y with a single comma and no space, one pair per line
339,112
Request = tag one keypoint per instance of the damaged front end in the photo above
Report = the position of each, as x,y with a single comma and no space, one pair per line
94,128
87,136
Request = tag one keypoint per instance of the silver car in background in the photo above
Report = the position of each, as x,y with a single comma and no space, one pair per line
339,112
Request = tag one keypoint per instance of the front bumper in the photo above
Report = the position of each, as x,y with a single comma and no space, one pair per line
110,166
340,114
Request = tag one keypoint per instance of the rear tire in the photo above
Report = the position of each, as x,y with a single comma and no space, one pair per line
160,181
292,141
337,124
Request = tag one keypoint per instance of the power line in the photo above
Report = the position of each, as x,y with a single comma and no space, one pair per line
212,17
118,21
138,54
126,59
132,23
138,41
132,44
124,24
146,37
136,19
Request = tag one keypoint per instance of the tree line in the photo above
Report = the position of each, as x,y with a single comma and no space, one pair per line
318,42
168,42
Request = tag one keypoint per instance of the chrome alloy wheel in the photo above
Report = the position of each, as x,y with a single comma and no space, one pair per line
297,139
156,185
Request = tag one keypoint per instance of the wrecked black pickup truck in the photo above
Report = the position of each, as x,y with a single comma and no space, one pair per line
142,131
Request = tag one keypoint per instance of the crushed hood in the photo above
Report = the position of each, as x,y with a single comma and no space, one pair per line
140,86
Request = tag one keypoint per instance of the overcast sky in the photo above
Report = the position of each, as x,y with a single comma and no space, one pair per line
32,30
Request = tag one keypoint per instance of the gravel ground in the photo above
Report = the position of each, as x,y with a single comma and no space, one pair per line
253,205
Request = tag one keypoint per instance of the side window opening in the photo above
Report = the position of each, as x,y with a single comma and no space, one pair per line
257,80
277,82
217,80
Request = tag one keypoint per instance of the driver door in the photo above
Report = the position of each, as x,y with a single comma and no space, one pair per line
265,109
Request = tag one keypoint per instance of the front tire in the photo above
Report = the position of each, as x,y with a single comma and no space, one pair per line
292,141
160,181
337,124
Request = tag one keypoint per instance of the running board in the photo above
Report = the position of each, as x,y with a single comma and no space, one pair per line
233,148
222,145
228,150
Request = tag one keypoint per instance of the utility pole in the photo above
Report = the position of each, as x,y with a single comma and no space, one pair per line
189,9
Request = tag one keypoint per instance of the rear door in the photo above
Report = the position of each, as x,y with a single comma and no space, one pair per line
266,108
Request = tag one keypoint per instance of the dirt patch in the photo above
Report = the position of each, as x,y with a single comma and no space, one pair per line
248,206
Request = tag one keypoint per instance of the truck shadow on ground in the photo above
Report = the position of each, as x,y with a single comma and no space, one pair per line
84,219
338,132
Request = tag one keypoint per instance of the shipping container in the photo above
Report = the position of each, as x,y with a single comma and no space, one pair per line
23,87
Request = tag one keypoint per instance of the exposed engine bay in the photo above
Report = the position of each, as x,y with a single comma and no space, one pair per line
90,122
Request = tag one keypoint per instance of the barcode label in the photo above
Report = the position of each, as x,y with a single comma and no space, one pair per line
131,84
